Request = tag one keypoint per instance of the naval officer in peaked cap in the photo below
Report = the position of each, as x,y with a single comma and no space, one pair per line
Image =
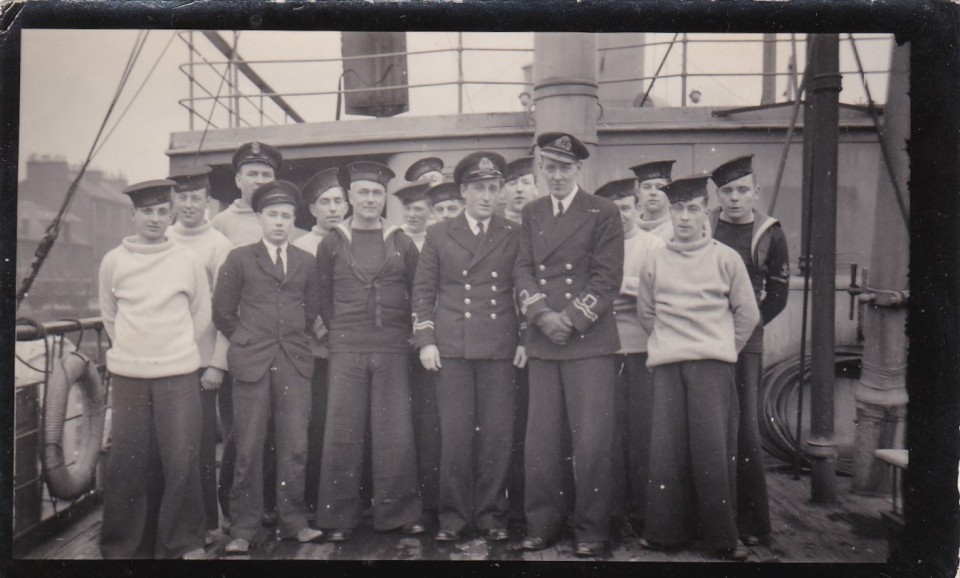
568,272
467,330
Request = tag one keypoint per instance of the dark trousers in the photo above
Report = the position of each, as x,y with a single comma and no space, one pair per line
208,457
285,394
318,420
426,431
583,390
636,413
229,457
753,510
153,506
692,452
374,387
475,399
520,404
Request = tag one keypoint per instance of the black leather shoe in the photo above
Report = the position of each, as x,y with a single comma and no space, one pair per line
534,543
413,529
339,535
447,536
736,554
588,549
497,534
752,540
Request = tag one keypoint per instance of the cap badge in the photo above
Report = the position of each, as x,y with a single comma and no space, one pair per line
564,143
255,148
485,164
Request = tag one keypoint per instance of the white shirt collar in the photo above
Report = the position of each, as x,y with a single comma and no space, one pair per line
567,201
473,223
272,250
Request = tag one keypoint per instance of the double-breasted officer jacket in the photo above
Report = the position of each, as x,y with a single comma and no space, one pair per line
262,313
572,264
463,294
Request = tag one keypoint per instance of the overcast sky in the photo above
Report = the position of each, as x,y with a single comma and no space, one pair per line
68,78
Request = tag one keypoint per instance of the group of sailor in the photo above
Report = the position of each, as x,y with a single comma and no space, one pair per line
520,349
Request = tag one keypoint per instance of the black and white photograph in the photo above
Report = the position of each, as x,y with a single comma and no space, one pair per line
625,298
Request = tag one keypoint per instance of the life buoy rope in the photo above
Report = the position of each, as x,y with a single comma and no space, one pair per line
69,482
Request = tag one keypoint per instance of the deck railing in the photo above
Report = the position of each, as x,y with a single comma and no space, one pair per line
225,95
39,345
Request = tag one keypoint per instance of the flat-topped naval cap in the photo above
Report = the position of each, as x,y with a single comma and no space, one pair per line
191,178
370,171
618,189
562,147
147,193
257,152
653,170
732,170
444,192
274,193
320,183
518,168
479,165
413,193
686,189
423,166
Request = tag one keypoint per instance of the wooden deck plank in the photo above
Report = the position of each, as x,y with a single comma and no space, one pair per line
850,530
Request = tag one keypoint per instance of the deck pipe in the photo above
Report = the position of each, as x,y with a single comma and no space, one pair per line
881,395
823,132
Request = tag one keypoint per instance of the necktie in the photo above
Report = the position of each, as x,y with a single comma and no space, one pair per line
479,228
559,209
279,263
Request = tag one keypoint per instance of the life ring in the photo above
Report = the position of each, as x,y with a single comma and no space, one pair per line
68,482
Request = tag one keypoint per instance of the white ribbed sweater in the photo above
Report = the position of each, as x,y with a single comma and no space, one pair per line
696,301
155,301
212,248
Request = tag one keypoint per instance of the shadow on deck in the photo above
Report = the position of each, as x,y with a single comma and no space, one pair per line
849,531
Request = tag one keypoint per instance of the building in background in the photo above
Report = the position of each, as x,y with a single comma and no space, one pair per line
98,219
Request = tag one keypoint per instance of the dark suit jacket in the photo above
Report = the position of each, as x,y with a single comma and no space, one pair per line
261,313
572,264
463,291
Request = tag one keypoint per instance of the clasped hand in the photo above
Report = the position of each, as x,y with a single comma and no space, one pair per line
556,326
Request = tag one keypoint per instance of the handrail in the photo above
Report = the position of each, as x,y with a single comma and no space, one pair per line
371,56
716,41
373,89
38,516
26,332
238,96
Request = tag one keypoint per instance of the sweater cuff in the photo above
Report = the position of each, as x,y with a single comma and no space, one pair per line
219,357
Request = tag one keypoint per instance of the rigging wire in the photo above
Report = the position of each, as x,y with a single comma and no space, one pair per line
904,211
135,94
53,230
657,73
798,99
216,99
